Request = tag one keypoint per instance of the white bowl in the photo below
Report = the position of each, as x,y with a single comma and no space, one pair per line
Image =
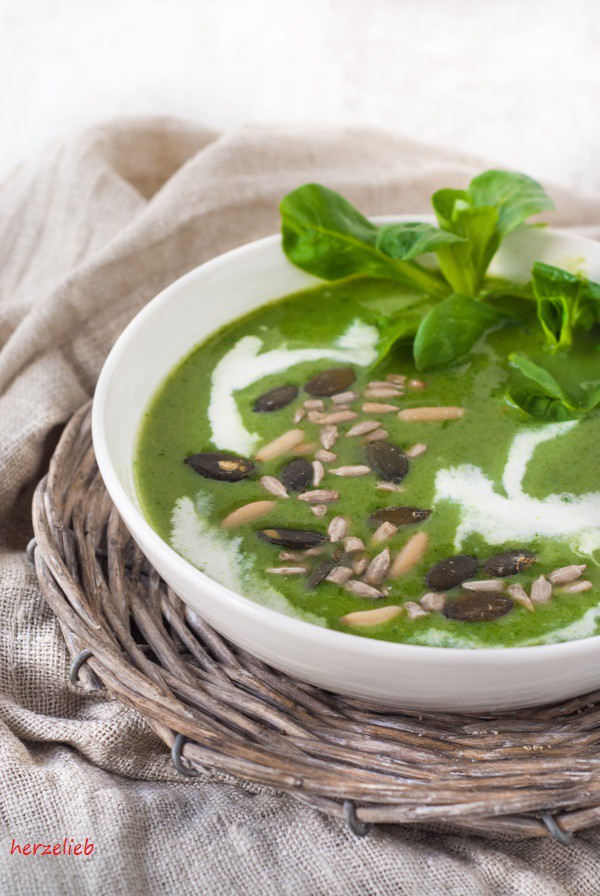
401,675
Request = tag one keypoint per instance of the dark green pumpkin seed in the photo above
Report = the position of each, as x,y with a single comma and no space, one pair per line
292,538
509,563
398,516
224,467
478,607
451,572
320,572
330,382
297,475
388,460
275,399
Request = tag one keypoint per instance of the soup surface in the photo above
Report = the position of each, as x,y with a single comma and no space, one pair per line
484,482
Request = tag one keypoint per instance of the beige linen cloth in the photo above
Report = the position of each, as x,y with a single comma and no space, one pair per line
88,234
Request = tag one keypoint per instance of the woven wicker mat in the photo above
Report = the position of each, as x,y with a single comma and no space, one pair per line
527,773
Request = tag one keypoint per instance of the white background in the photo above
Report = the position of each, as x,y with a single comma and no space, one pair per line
515,81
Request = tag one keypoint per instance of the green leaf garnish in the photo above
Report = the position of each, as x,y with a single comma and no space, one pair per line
325,235
452,328
543,397
564,301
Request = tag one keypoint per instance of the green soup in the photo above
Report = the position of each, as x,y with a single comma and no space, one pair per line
492,479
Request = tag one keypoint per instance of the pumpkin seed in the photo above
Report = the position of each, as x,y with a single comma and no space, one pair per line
320,573
220,466
330,382
275,399
479,607
297,475
398,516
509,563
291,538
388,460
451,572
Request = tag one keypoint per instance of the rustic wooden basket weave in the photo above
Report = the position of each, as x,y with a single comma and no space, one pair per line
528,773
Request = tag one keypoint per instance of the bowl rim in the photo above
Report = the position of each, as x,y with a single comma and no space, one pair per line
321,636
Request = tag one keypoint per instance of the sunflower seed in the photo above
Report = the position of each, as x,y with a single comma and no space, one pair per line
433,602
352,470
377,436
578,587
290,555
320,573
399,516
518,593
328,436
413,610
314,404
247,513
275,399
291,538
430,415
339,416
541,591
378,568
416,450
325,456
388,460
314,552
319,509
362,428
344,397
375,407
281,445
451,572
319,496
388,487
566,574
383,384
360,589
383,533
484,585
352,544
340,575
287,570
509,563
274,486
220,466
480,607
337,529
330,382
398,378
359,565
411,554
381,393
416,384
299,413
318,472
378,616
